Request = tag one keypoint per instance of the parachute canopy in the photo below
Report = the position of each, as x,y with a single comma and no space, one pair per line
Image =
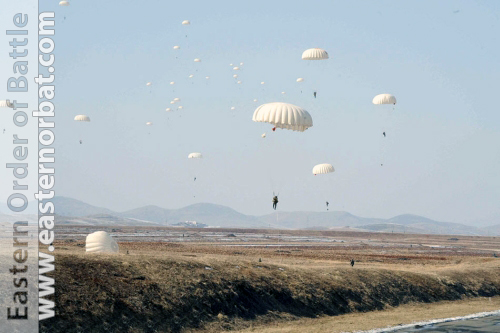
100,241
177,99
172,83
300,79
384,99
176,47
283,115
168,109
82,117
314,54
64,3
191,76
239,82
6,104
236,68
235,76
322,169
186,22
263,135
197,60
195,155
149,83
149,123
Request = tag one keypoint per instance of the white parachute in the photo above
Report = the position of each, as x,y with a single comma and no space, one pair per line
197,60
82,117
149,84
195,155
283,115
384,99
322,169
236,68
6,104
177,99
176,47
239,82
100,241
262,82
190,76
315,54
172,82
64,3
233,108
263,135
186,22
235,76
300,79
149,123
168,109
207,77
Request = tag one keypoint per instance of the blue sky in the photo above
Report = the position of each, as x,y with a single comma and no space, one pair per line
440,59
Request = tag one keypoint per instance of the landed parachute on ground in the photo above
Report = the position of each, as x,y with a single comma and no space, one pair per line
384,99
283,115
195,155
100,241
6,104
82,117
315,54
322,169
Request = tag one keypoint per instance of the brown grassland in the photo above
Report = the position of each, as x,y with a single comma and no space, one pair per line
213,280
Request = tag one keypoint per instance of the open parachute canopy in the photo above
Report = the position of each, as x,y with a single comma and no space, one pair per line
314,54
186,22
283,115
323,169
5,104
384,99
82,117
195,155
64,3
100,241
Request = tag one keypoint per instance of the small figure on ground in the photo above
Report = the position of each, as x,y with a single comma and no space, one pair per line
275,202
352,262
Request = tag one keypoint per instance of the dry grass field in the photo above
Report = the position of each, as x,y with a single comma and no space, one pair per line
212,280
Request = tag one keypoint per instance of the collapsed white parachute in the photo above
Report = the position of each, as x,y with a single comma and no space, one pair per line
323,169
384,99
283,115
6,104
314,54
195,155
82,117
100,241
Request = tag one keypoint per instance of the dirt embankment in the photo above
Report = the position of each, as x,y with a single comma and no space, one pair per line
139,294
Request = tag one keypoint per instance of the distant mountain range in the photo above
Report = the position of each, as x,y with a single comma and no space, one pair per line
72,211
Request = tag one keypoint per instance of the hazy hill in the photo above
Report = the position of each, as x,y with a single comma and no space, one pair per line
73,211
71,207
